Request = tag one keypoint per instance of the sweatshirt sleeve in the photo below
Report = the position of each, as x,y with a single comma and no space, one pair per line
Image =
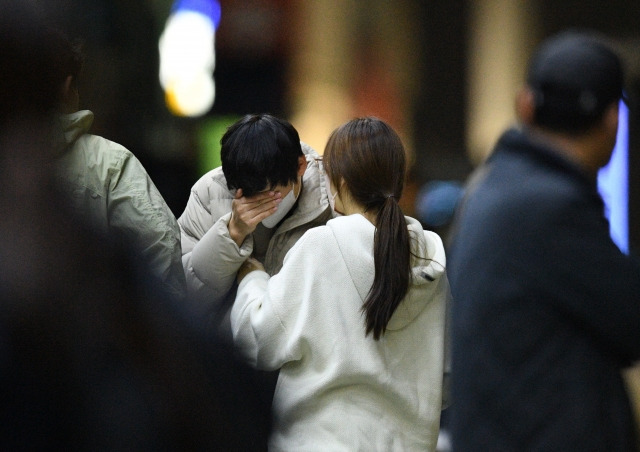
272,316
446,377
257,329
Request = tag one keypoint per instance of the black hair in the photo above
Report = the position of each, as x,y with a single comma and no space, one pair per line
369,156
575,76
27,85
258,152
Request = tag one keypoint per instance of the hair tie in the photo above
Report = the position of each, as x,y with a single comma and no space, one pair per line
389,196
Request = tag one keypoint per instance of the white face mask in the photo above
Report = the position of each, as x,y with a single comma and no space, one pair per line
283,208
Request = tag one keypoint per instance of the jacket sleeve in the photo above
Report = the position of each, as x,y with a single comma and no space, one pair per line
591,280
210,257
138,212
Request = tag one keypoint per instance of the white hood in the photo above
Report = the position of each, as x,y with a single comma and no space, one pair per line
426,272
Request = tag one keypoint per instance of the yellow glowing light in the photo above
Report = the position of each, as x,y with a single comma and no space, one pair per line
190,96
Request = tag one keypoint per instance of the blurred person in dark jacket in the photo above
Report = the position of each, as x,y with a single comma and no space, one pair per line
547,311
94,354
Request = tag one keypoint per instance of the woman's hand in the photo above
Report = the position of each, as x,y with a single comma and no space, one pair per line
251,264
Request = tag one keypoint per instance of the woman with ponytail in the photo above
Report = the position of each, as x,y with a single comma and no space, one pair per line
356,318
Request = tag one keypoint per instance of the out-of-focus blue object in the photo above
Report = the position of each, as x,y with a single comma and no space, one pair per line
613,184
209,8
436,202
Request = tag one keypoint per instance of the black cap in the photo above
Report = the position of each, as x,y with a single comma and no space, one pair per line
575,76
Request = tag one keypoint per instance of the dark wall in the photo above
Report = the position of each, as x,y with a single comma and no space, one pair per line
439,110
119,83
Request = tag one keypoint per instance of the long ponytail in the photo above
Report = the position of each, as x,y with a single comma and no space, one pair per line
368,156
392,255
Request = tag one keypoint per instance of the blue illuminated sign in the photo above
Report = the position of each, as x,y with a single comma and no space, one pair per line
613,184
208,8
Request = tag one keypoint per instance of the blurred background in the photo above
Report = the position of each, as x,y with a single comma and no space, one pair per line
166,77
442,73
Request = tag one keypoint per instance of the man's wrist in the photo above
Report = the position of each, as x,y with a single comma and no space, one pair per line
235,233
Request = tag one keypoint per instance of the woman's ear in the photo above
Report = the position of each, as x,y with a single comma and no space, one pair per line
526,106
69,95
611,117
343,189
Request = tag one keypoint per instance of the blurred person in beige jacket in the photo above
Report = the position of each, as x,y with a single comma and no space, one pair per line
107,184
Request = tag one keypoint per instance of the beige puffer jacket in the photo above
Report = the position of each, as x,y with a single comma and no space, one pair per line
210,256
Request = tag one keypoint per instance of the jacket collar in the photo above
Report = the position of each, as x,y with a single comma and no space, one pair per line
71,127
313,199
525,143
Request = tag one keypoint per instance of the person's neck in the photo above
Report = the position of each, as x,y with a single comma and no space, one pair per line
67,109
579,149
351,208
